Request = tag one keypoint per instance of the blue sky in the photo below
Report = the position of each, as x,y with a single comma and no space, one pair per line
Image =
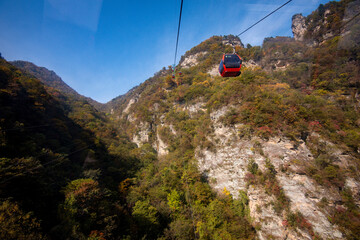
103,48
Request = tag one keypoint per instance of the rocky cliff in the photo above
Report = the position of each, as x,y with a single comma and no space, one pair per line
298,27
284,135
326,22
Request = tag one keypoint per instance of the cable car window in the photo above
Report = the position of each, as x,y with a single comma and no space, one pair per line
231,58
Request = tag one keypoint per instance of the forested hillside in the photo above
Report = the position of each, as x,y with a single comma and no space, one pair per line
271,154
50,79
59,173
283,137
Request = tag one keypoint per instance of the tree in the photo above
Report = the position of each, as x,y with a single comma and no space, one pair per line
174,201
146,217
15,224
86,208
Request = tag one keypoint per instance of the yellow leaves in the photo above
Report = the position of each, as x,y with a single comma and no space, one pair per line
124,186
77,184
8,91
213,47
321,92
169,82
16,224
281,86
277,86
174,201
226,192
205,83
199,227
145,214
238,48
5,72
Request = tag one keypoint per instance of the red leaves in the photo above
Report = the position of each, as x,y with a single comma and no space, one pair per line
250,178
315,126
264,132
285,223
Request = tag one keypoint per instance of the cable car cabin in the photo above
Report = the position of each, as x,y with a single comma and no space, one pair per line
230,65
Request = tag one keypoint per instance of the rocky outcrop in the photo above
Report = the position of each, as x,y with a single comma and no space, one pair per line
226,167
298,27
193,109
228,150
250,64
89,160
214,70
232,41
142,136
131,102
192,60
160,146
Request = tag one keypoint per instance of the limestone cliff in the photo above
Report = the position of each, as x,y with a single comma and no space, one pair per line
298,27
284,134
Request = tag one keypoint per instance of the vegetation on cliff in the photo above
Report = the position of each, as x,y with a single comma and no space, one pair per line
68,170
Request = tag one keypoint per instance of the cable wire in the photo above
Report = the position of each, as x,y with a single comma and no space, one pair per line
47,163
263,18
352,19
178,33
177,41
34,126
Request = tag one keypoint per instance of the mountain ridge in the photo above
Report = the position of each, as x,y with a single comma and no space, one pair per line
51,79
283,117
271,154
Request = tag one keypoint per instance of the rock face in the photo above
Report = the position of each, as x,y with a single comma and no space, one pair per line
160,146
214,70
225,152
142,136
131,102
226,167
192,60
298,27
250,64
232,41
323,24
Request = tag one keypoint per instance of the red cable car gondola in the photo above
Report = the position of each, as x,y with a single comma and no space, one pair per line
230,65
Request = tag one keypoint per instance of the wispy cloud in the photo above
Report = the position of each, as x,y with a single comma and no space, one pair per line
83,13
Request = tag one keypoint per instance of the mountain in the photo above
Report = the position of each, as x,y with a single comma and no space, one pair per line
337,18
66,172
46,76
41,149
271,154
51,79
285,133
54,149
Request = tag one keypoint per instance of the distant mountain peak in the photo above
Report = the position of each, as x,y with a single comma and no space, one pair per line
46,76
51,79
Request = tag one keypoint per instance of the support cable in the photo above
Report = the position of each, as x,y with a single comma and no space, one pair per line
263,18
47,163
178,33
